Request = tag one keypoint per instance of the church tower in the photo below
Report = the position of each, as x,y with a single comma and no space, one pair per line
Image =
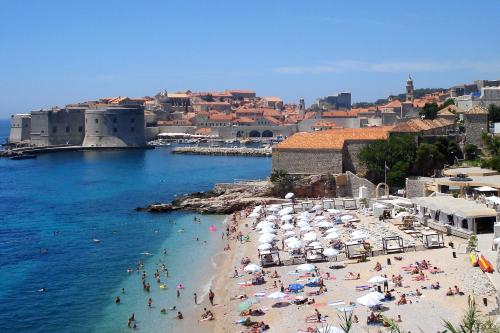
302,107
409,89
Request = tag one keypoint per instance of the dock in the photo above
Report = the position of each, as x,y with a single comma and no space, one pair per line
254,152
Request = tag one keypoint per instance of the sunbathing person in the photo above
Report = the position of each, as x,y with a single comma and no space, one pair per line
449,292
388,296
275,275
352,276
402,300
418,293
435,286
378,267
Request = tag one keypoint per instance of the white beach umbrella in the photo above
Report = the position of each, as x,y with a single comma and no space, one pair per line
265,246
304,214
316,244
271,218
302,223
289,195
329,252
306,268
257,209
277,295
294,245
496,240
320,218
287,226
377,279
317,207
291,239
346,218
371,299
254,214
330,230
289,234
332,236
330,329
266,238
310,236
267,230
324,224
263,224
252,268
306,228
287,217
333,211
286,211
359,235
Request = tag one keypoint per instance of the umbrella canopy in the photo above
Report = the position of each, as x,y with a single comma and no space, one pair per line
287,217
377,279
330,230
306,228
303,223
267,230
252,268
287,226
320,218
332,236
346,218
246,304
496,240
371,299
276,295
271,218
265,246
306,268
359,235
257,209
254,214
324,224
317,207
292,239
274,208
295,287
289,195
266,238
330,329
310,236
294,245
289,234
286,211
329,252
263,224
333,211
316,244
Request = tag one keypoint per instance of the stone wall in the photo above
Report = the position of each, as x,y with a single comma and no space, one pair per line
20,128
300,161
351,157
415,187
475,124
353,184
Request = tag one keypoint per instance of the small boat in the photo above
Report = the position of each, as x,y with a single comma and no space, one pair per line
485,265
23,157
95,240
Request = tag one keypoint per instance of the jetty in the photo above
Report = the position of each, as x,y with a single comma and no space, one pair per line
264,152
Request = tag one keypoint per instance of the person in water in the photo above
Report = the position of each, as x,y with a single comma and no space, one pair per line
179,315
117,300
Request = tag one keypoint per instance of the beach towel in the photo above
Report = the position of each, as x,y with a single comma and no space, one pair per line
319,305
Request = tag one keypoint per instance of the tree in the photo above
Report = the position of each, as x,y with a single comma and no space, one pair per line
430,110
448,102
282,181
450,150
494,113
428,158
471,152
398,153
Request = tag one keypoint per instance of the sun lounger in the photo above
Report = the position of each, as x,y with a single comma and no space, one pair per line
362,288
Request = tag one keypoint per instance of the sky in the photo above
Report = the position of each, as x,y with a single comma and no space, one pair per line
57,52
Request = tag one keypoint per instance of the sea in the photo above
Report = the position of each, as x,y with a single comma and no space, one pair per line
69,234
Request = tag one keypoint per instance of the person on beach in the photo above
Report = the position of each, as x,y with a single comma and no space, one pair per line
195,298
179,315
211,297
318,315
150,302
178,293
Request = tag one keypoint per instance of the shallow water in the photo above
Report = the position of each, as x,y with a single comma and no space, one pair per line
54,206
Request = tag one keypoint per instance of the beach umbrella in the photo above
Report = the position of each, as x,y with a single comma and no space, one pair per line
310,236
267,230
316,244
332,236
359,235
330,230
277,295
329,252
287,217
271,218
370,300
295,287
330,329
333,211
246,304
252,268
289,195
496,240
377,279
306,268
254,214
263,224
289,234
257,209
346,218
274,208
320,218
287,227
294,244
324,224
306,228
302,223
292,239
265,246
317,207
266,238
286,211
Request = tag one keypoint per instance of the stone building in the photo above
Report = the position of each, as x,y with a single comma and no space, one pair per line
20,128
57,126
114,126
340,101
476,122
325,152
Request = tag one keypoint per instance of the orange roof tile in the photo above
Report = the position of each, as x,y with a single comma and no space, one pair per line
339,114
416,125
220,117
333,139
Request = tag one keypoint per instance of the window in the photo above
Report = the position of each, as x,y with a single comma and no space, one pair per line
97,131
54,129
132,129
465,224
114,120
96,120
115,130
80,129
67,129
132,120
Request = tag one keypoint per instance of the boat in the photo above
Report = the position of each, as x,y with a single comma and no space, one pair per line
23,157
485,265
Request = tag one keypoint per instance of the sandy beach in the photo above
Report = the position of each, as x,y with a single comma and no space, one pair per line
425,311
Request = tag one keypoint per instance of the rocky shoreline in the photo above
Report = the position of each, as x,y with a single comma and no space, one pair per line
222,199
225,151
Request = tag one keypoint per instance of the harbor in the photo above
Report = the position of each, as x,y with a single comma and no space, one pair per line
225,151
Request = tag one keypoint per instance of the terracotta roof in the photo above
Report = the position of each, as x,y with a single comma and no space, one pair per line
333,139
478,110
272,99
240,91
271,113
254,111
339,114
220,117
272,120
177,95
452,109
244,120
416,125
212,103
324,123
393,104
310,114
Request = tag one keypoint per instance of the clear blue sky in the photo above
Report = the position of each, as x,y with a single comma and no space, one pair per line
56,52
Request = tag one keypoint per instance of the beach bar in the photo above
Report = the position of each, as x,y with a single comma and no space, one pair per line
456,216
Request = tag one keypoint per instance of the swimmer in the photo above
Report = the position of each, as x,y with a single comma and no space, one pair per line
42,290
179,315
117,300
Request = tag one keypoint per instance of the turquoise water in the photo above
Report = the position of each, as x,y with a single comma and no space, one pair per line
83,196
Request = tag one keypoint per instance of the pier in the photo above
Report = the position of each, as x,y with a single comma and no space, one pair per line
254,152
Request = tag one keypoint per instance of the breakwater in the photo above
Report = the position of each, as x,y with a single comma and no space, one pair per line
254,152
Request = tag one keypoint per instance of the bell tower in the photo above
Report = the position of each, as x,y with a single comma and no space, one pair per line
409,89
